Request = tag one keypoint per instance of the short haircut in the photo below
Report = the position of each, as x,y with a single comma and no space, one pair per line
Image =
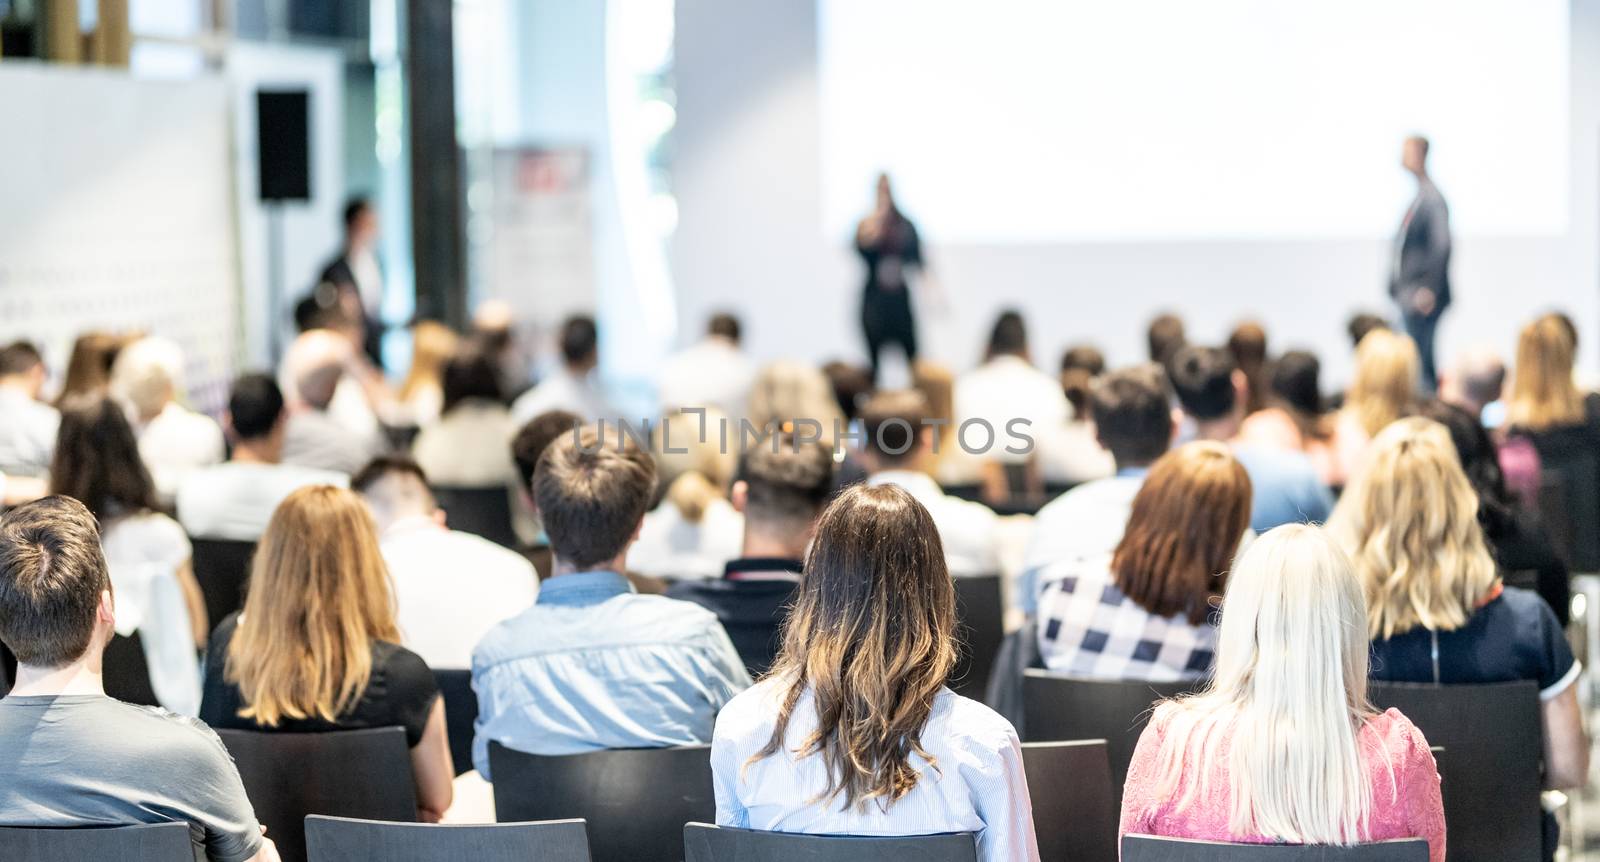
725,325
851,384
393,486
1009,337
470,373
1297,381
592,493
1165,337
1362,323
52,572
254,406
1202,378
786,481
1132,415
892,421
579,338
1248,344
354,208
19,357
536,436
1084,357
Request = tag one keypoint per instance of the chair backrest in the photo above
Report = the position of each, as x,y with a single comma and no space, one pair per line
222,568
1074,816
1570,461
145,842
460,712
125,671
1491,777
981,623
1148,848
1064,708
482,512
344,839
345,773
635,800
706,843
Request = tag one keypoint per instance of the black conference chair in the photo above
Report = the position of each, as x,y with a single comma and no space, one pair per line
635,800
342,839
1570,463
482,512
1063,708
222,568
1491,775
981,623
460,713
1073,813
706,843
1147,848
345,773
125,671
152,842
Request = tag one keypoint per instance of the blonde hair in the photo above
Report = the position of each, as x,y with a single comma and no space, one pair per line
1543,394
696,472
1385,383
1289,690
787,391
148,374
1409,520
432,345
319,596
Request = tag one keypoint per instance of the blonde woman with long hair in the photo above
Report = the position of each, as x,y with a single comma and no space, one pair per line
694,528
421,396
1437,611
316,647
854,731
1282,745
1544,396
1383,389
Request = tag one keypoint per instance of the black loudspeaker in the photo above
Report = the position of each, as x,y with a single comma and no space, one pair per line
283,144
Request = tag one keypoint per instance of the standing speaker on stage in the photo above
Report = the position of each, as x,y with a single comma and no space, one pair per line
887,242
1420,278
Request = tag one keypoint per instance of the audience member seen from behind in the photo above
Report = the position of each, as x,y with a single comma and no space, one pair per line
572,385
89,365
421,396
531,441
713,372
317,649
450,587
693,530
1069,454
780,491
1437,611
76,757
855,731
1384,389
317,435
469,445
1247,344
793,395
1211,390
951,464
1165,337
1282,746
1007,388
896,448
1134,422
1293,417
97,463
173,440
1147,610
1362,323
27,424
631,671
1546,404
1476,383
235,500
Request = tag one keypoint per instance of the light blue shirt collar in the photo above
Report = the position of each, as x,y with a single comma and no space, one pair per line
583,588
1133,472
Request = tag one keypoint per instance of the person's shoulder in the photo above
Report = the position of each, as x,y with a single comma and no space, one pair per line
681,617
399,662
1393,732
1523,609
153,530
165,734
751,714
484,551
970,726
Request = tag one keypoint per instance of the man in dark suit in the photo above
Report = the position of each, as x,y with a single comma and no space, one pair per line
1420,278
356,275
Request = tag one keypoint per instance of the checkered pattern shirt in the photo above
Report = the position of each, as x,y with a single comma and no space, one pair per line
1088,628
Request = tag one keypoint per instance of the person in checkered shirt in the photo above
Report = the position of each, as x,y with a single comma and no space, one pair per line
1147,610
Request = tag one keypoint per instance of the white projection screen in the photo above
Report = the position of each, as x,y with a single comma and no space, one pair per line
1044,121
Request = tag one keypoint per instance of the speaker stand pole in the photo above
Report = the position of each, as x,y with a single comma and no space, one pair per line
274,279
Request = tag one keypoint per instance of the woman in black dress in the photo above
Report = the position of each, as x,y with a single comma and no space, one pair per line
888,245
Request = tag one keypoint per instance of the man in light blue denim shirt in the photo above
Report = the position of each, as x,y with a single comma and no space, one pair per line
594,665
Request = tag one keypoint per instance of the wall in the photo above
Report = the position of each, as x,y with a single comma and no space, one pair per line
747,177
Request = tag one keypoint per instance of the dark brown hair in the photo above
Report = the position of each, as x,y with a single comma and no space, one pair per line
89,366
536,436
1165,337
470,373
52,572
872,637
892,422
1185,527
1132,415
788,482
592,492
97,459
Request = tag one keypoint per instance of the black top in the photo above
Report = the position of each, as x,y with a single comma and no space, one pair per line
896,250
401,691
1528,559
1512,637
751,600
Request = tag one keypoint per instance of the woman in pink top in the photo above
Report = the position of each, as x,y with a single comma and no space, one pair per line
1314,763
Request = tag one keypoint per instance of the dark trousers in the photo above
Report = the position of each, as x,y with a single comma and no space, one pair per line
885,320
1421,329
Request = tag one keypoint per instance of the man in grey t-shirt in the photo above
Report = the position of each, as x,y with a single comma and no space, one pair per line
70,755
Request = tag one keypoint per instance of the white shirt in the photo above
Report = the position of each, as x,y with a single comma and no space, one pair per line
672,546
369,281
27,433
469,447
315,438
966,528
562,390
143,555
450,588
1004,389
979,785
235,500
711,373
1069,452
1084,522
175,443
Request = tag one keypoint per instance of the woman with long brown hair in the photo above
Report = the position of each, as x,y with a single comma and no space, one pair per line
316,647
1147,610
854,731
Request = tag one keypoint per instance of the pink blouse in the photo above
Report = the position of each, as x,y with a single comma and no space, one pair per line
1410,808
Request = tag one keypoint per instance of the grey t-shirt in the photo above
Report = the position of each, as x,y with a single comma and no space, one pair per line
75,760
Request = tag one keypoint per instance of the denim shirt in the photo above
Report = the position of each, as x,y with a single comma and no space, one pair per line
594,665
